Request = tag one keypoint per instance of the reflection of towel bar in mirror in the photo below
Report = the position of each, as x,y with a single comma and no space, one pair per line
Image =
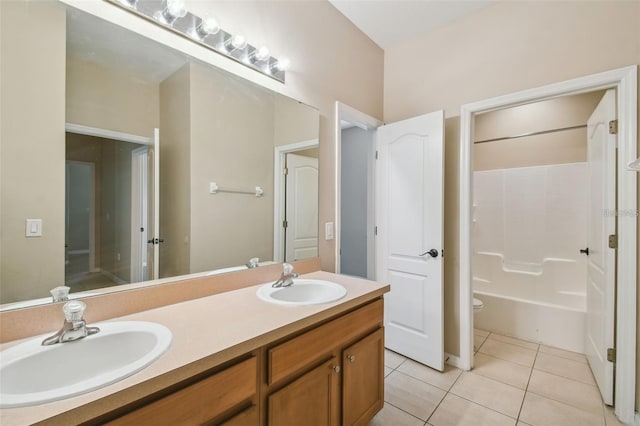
214,189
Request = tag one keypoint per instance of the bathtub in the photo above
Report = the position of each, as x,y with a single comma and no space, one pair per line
544,306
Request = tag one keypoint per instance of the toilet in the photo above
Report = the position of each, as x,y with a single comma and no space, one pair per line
477,305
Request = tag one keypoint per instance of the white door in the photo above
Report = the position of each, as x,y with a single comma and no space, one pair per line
139,214
153,209
301,233
410,237
601,157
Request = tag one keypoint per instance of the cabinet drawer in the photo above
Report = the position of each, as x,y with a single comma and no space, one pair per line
306,349
200,402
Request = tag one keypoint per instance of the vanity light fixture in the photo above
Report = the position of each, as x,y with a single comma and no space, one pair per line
173,15
208,25
173,10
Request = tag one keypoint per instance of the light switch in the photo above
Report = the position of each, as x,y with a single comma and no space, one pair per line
34,228
328,231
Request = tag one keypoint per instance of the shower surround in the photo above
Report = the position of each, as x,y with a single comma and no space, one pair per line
529,225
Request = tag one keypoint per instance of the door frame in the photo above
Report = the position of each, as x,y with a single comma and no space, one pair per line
344,112
624,80
280,153
139,208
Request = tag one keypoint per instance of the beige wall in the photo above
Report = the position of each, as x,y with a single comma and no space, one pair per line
175,163
567,146
506,47
31,147
331,61
110,99
232,145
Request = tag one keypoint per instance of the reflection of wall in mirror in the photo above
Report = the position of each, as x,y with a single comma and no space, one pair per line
32,146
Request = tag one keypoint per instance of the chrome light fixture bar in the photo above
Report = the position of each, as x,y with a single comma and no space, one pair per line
172,15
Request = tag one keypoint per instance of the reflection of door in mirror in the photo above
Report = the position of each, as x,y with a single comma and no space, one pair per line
301,212
106,211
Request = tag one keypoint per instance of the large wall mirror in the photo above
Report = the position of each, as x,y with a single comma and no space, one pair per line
123,160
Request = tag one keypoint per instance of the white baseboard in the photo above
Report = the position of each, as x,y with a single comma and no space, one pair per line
636,419
452,360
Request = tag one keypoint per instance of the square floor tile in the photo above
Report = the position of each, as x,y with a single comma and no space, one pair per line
575,356
514,341
508,352
481,332
489,393
538,410
393,359
503,371
433,377
456,411
412,395
577,394
564,367
390,415
478,340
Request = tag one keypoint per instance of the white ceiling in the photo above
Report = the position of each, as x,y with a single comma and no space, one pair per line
388,22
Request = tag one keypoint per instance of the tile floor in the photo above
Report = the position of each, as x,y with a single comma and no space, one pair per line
514,382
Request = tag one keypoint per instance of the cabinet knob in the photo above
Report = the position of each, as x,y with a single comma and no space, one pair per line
336,368
351,358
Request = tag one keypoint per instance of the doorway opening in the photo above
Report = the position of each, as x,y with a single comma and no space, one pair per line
623,81
355,227
296,201
107,208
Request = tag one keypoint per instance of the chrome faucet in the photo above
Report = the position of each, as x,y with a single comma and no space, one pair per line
254,262
286,279
60,294
74,326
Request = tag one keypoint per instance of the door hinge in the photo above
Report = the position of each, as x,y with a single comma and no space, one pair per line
613,127
613,241
376,155
611,354
285,224
285,171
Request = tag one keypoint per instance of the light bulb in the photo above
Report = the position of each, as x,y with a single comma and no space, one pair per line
208,25
261,53
176,8
238,42
283,64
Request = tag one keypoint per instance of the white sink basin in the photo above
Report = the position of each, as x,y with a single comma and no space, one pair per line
33,374
302,292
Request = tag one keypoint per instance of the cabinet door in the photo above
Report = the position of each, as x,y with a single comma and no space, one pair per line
363,381
311,400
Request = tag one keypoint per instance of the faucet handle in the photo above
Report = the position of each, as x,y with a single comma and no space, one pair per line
287,268
60,293
74,310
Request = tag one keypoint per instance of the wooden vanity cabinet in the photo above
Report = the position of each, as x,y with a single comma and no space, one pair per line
213,400
330,375
363,379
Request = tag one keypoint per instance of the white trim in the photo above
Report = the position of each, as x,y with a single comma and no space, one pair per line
636,419
106,134
453,360
624,80
113,277
365,122
278,192
139,206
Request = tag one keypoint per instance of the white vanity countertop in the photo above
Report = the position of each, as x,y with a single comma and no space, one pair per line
206,332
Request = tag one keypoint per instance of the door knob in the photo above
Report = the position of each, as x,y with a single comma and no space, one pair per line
351,358
432,253
336,368
585,251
